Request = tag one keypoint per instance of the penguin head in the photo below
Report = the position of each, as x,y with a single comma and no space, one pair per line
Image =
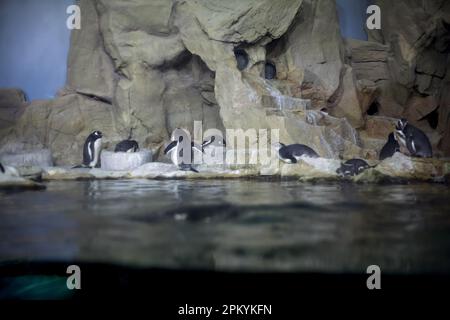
215,140
401,124
179,133
278,145
97,134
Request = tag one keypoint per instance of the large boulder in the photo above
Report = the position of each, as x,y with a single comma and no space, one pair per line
12,103
90,70
314,44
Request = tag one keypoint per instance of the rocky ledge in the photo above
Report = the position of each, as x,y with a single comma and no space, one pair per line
398,169
12,182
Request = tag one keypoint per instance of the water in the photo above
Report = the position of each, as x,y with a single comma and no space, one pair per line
230,225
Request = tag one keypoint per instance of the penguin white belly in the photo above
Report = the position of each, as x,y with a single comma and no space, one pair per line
174,156
97,147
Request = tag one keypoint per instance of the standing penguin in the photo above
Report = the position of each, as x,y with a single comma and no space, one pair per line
352,167
389,148
182,149
91,150
412,140
293,152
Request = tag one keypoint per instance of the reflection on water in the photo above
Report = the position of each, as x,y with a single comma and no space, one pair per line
231,225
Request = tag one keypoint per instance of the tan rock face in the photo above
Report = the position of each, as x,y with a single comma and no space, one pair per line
148,67
418,42
12,104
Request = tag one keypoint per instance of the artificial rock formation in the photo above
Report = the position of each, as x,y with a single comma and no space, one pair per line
148,67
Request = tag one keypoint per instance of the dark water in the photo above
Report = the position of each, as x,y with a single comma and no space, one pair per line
231,225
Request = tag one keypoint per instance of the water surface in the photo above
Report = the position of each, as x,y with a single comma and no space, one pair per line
230,225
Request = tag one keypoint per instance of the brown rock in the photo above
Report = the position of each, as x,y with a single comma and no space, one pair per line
379,127
419,107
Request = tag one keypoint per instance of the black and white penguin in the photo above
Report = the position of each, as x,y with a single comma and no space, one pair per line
214,141
293,152
180,141
2,169
127,146
389,148
352,167
412,140
91,149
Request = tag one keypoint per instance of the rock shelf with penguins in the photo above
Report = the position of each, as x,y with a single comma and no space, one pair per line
151,67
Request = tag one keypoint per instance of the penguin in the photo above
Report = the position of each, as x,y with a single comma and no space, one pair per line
179,141
127,146
293,152
91,150
352,167
390,147
9,171
212,140
412,140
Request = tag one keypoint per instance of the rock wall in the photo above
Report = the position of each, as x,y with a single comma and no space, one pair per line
417,36
148,67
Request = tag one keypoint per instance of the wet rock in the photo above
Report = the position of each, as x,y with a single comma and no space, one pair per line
403,168
30,172
11,180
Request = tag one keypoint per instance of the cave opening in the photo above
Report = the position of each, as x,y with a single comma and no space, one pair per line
373,108
270,70
432,118
242,58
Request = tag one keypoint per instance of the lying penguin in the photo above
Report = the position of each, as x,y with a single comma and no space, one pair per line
214,141
180,142
389,148
352,167
293,152
412,141
127,146
91,150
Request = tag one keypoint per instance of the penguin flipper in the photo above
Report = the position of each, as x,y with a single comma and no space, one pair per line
170,147
194,170
197,147
2,169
